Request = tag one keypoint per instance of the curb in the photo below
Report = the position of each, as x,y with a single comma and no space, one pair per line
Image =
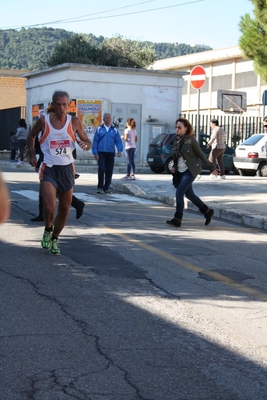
239,217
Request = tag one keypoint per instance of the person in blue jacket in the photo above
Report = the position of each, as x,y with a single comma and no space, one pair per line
106,137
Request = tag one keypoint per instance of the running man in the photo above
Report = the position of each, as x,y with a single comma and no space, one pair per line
57,172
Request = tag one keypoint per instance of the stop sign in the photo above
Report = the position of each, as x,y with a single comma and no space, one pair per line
198,77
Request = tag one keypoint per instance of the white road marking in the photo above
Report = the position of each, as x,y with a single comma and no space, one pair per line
98,198
30,194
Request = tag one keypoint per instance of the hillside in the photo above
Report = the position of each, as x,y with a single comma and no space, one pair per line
29,48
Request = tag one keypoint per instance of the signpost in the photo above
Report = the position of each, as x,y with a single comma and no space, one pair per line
264,102
198,80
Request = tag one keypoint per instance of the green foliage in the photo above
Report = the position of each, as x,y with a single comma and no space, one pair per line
37,48
119,52
253,41
73,49
28,48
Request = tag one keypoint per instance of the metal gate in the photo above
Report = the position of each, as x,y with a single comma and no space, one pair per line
120,113
9,120
237,128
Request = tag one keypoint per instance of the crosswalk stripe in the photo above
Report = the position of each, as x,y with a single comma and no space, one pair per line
102,198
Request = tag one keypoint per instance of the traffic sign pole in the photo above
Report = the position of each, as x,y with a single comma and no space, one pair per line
198,107
197,80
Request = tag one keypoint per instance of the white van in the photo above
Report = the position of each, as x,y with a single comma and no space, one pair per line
251,156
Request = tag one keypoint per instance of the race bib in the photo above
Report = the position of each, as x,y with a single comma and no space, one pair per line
60,147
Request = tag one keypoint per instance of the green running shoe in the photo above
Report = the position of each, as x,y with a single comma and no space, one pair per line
54,248
46,239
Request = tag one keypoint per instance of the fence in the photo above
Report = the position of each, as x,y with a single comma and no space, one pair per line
9,119
237,128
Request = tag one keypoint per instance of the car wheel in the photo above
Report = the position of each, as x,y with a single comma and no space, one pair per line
262,170
157,170
169,165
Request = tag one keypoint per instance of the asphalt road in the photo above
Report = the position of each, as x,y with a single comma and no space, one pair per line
132,309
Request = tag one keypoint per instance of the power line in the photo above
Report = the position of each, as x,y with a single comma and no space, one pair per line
140,12
108,16
68,20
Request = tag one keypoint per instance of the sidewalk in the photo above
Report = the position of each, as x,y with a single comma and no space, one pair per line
238,199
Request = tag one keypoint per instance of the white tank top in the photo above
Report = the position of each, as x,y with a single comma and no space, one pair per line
57,145
130,143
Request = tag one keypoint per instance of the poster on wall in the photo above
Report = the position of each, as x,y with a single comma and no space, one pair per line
37,111
72,107
41,109
90,114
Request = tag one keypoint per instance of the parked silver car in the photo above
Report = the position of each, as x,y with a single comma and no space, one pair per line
251,156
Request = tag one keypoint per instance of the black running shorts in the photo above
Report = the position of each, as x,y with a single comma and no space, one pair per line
60,176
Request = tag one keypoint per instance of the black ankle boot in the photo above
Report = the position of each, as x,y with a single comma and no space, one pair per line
176,221
78,205
208,213
39,218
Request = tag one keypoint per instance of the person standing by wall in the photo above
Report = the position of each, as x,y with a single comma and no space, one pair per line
106,137
130,137
218,146
57,171
186,155
21,136
13,144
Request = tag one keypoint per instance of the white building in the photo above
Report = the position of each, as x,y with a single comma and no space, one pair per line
152,98
225,69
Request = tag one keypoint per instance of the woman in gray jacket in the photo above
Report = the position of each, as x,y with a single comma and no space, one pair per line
187,166
21,136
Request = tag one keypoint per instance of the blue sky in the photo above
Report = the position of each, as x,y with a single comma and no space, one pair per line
210,22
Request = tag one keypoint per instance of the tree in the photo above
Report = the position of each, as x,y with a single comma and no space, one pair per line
119,52
253,42
73,49
31,48
114,52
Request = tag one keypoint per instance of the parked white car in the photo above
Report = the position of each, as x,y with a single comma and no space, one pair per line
251,156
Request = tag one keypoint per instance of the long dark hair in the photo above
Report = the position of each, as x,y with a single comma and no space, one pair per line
22,123
179,140
187,124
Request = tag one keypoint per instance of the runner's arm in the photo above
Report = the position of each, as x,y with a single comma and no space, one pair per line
84,142
38,127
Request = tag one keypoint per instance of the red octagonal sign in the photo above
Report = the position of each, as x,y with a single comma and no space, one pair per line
198,77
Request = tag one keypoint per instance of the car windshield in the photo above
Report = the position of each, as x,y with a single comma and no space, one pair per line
159,139
252,140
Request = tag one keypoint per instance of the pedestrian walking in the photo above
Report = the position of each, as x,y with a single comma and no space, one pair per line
57,171
186,155
218,146
130,138
264,124
106,138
